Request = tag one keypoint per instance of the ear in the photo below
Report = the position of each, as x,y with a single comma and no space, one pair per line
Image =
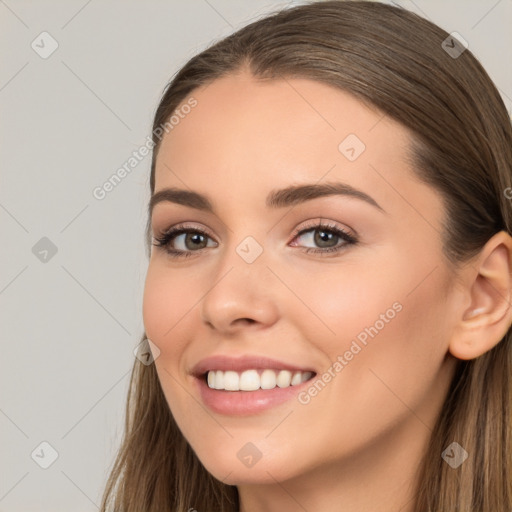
488,290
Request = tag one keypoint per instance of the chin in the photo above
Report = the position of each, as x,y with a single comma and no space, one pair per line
232,471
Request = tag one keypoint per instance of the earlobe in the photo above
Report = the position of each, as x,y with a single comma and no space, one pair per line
487,319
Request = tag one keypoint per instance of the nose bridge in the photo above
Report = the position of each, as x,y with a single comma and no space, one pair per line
245,248
241,287
242,269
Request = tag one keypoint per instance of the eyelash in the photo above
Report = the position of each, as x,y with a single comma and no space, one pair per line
166,237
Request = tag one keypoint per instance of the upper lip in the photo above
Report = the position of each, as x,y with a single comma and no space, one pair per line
239,364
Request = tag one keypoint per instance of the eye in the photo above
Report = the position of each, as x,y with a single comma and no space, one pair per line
328,237
190,237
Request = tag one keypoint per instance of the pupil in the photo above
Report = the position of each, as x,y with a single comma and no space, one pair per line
324,236
195,237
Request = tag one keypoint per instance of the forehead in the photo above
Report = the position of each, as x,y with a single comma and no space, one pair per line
246,136
239,117
251,111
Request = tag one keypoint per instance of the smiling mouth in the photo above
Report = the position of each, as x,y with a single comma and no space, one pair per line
255,379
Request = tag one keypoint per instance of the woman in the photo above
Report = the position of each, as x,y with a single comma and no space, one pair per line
328,290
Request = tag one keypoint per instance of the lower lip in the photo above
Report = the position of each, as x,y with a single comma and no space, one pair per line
243,403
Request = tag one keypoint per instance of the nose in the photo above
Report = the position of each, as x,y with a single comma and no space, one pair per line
240,295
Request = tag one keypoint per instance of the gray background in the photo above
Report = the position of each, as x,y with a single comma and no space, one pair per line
70,323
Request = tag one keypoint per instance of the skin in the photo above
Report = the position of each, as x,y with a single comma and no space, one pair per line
360,441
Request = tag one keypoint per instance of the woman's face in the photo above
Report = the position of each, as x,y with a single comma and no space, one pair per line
371,320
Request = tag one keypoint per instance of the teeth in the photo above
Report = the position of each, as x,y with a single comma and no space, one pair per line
251,380
284,378
268,379
219,378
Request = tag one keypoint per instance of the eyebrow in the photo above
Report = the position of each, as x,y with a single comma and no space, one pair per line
281,198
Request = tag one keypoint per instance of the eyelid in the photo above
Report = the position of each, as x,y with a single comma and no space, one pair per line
298,230
185,225
324,222
349,236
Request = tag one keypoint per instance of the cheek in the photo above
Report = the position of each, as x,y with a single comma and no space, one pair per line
167,299
341,305
392,337
393,323
166,302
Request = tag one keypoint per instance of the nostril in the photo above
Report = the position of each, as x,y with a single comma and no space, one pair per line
247,320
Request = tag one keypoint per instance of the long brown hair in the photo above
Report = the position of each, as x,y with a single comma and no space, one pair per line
392,59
